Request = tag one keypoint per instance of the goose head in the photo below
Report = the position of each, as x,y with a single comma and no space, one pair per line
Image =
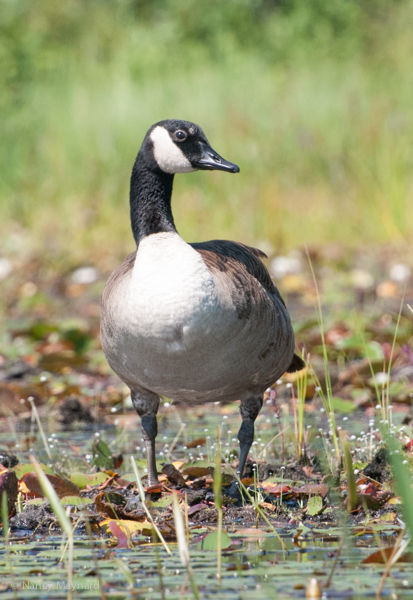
176,146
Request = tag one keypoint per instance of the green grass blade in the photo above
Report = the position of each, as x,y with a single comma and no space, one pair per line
351,480
402,483
142,496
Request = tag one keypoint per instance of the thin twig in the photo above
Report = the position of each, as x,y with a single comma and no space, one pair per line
35,414
333,566
183,546
142,495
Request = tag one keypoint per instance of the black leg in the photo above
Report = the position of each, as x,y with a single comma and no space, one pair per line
250,407
150,431
146,404
245,438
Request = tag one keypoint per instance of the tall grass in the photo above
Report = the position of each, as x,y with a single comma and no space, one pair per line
218,503
183,545
327,397
311,99
302,382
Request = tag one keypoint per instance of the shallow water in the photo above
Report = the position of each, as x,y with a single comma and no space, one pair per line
254,567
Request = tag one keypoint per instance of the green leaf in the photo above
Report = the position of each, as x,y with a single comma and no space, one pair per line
141,464
36,502
315,506
342,406
210,542
83,479
353,342
161,503
76,501
302,530
102,455
402,483
21,470
81,340
373,350
40,330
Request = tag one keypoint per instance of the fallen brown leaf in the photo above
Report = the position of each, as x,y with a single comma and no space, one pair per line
120,535
195,443
267,505
374,502
154,489
242,567
311,489
382,556
308,471
174,476
196,472
200,482
109,481
249,481
196,508
275,488
62,487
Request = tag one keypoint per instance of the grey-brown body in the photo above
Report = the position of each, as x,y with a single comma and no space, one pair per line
195,323
192,322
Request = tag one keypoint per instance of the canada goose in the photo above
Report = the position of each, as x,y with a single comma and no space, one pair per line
193,322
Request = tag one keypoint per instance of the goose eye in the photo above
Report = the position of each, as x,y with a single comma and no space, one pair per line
180,136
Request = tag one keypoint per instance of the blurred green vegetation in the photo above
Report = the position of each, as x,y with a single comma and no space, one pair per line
312,99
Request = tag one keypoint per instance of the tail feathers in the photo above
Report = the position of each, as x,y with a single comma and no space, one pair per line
296,364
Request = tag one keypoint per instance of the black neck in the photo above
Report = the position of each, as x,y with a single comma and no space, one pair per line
150,200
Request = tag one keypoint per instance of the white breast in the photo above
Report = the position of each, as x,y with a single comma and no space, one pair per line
168,318
171,293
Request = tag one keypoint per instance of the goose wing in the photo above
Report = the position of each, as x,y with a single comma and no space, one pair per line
223,255
233,258
111,293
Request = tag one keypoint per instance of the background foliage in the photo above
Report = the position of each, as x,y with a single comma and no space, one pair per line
312,99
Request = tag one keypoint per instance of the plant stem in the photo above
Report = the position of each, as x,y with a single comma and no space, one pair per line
142,495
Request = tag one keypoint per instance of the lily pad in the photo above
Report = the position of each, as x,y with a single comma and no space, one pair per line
315,506
210,542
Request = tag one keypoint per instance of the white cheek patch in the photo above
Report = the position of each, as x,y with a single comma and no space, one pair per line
167,154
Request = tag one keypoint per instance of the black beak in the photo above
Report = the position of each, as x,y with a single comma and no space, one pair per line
210,160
